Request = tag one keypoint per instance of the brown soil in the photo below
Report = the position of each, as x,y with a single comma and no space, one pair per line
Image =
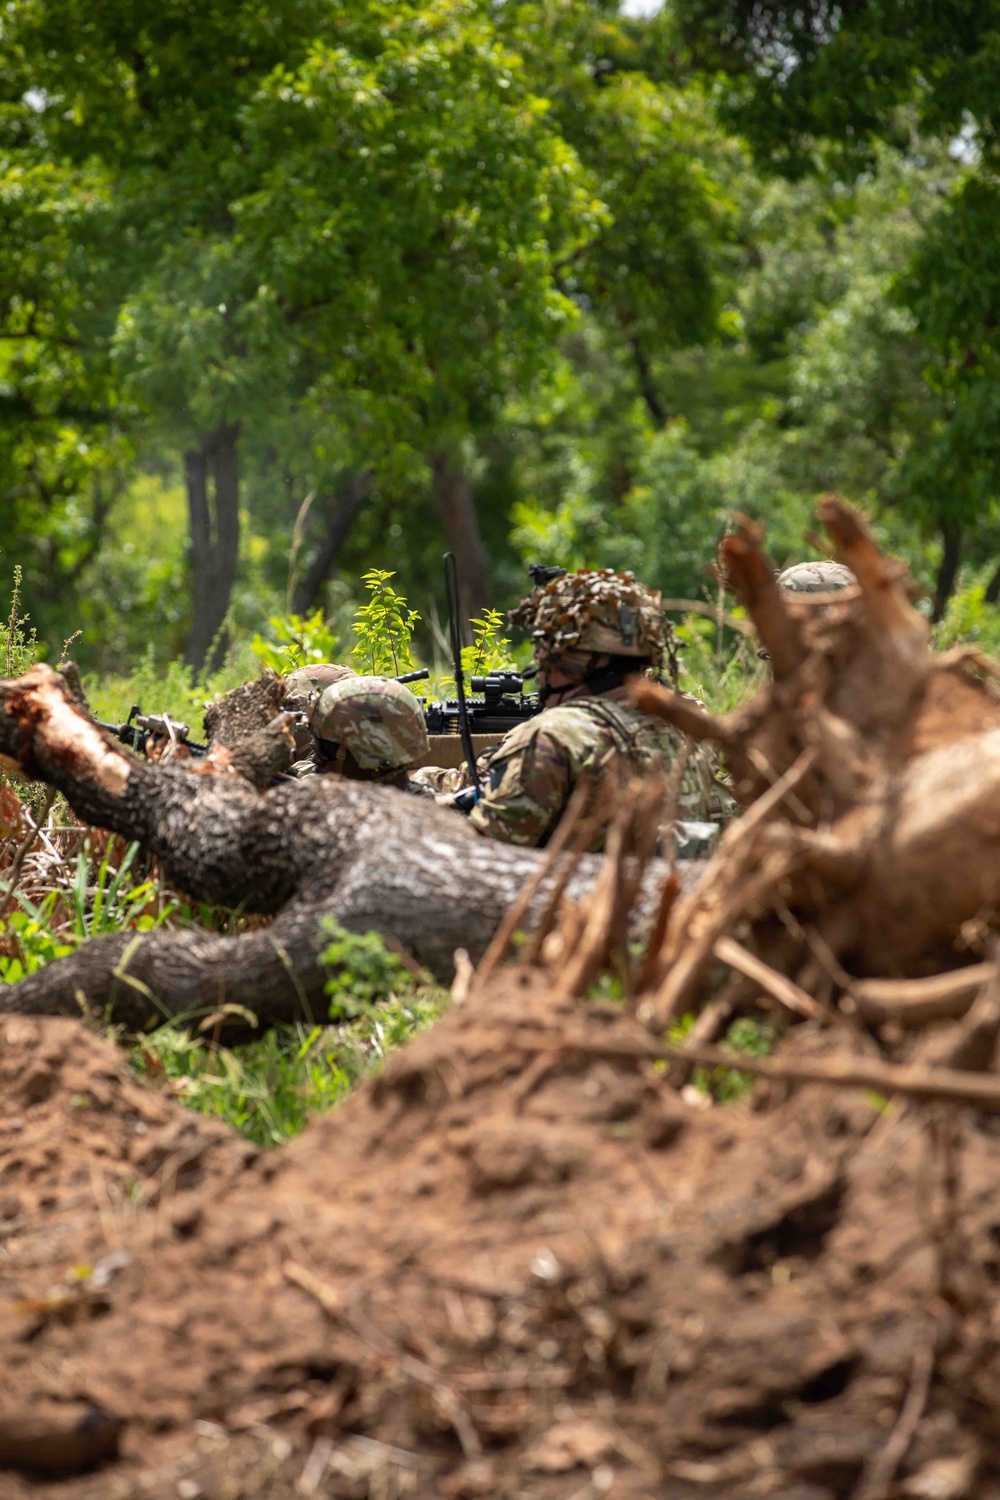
507,1268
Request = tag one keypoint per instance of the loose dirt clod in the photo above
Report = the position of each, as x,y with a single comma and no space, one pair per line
529,1260
482,1277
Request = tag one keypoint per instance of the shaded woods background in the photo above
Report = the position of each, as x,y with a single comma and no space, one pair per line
293,289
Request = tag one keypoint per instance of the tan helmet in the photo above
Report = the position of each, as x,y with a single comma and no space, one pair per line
816,578
594,611
304,681
813,578
378,721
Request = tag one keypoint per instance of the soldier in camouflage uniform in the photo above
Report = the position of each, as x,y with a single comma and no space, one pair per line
590,630
367,729
302,688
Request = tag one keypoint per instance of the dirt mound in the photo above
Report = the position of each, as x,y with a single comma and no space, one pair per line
516,1264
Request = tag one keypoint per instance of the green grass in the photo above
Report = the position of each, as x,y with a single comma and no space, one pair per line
754,1038
270,1089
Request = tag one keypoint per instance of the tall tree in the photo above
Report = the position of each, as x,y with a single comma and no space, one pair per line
817,87
347,206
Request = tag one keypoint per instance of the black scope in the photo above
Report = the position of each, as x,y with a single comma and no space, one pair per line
498,684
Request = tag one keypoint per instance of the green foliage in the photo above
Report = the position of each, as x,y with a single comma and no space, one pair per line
366,971
299,641
31,939
270,1089
720,671
490,649
751,1037
970,620
18,641
93,903
384,628
490,652
524,235
176,689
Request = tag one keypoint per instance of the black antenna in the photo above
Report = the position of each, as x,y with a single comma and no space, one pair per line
451,596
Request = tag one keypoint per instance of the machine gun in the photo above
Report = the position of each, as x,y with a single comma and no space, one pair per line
139,728
503,704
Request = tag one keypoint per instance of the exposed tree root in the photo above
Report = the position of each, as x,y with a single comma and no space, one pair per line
871,770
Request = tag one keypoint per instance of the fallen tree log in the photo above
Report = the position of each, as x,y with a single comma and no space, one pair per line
372,857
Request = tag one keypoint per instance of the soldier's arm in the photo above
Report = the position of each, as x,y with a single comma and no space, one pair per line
439,778
526,791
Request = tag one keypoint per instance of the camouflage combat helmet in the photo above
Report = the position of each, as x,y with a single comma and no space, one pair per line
594,611
378,721
304,681
816,578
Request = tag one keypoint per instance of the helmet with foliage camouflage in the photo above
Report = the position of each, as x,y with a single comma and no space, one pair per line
378,721
595,611
816,578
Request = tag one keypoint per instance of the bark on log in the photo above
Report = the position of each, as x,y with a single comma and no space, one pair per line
372,857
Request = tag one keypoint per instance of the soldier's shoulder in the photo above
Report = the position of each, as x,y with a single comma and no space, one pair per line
568,723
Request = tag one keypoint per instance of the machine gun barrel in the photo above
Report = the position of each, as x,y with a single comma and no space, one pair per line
138,728
543,573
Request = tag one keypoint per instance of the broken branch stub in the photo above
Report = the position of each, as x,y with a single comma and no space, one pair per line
751,575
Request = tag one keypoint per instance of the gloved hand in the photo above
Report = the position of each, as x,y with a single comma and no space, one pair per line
465,800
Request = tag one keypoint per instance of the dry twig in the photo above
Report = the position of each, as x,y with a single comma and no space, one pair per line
448,1400
24,848
787,993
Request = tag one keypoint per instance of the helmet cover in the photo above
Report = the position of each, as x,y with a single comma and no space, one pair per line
377,720
304,681
816,578
596,611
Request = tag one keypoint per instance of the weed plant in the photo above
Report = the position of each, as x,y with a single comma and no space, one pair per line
93,903
384,627
749,1036
271,1088
298,641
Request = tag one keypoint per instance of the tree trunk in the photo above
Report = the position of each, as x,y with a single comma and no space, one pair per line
647,385
456,507
212,476
347,503
372,857
951,556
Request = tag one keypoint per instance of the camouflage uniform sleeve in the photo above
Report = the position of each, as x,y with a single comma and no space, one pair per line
439,778
528,785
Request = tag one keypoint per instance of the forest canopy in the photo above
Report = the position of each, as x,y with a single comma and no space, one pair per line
292,290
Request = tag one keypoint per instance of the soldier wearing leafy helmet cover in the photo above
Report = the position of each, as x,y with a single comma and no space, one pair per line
368,729
590,630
